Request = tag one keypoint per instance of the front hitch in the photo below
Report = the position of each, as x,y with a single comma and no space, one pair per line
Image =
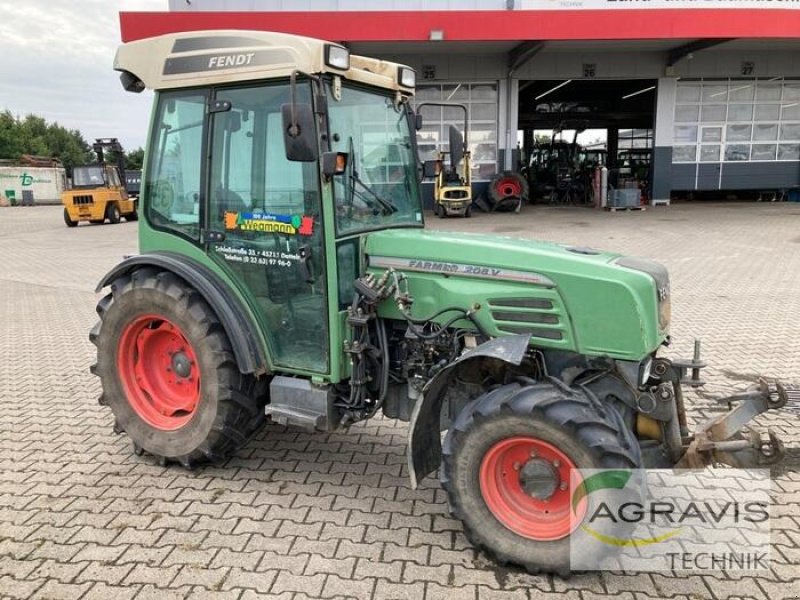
721,440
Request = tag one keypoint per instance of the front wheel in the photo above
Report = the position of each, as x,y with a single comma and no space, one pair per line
168,371
112,213
511,459
68,221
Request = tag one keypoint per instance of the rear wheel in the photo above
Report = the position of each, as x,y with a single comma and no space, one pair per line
69,222
510,460
133,216
507,185
113,214
168,371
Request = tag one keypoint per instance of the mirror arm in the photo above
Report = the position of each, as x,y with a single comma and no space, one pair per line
294,130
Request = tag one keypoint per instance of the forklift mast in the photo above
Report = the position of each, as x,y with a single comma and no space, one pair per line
103,145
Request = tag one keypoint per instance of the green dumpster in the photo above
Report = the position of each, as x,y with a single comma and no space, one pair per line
12,197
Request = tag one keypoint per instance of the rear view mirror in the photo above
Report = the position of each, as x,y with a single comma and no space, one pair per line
431,168
418,121
298,132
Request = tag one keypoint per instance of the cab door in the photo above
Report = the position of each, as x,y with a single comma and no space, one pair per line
264,223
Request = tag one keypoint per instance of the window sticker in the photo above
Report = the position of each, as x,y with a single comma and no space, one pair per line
269,223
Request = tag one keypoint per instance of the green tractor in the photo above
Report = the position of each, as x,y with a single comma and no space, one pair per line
285,274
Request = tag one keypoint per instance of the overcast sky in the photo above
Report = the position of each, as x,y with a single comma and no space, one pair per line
56,60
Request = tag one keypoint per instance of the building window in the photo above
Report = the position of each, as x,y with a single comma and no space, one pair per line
481,102
737,120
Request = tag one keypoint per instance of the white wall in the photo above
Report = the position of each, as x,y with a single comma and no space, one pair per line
47,183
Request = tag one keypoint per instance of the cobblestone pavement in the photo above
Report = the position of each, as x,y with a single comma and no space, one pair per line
300,515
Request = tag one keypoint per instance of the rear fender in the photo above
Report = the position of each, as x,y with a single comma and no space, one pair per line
424,452
251,356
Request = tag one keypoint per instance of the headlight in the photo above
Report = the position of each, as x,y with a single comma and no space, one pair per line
664,313
337,57
644,371
406,77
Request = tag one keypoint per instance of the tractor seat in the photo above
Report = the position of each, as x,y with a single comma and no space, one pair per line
453,178
228,201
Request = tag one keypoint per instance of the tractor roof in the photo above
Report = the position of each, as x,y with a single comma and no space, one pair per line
212,57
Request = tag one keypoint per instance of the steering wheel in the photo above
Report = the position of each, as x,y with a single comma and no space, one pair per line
162,196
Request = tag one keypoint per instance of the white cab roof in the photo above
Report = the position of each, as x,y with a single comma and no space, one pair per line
201,58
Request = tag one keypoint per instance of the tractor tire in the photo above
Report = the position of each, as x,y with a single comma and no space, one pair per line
168,372
468,212
527,431
69,222
112,213
507,184
133,216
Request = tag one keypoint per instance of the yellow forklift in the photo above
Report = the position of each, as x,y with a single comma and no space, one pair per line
452,188
98,191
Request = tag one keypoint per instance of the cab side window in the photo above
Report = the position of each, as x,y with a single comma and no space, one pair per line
174,181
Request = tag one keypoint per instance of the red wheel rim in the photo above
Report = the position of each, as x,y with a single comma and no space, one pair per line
509,186
159,372
545,518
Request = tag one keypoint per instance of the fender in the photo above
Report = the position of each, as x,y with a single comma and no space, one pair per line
250,355
424,451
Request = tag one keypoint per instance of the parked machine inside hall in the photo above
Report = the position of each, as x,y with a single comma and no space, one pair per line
451,171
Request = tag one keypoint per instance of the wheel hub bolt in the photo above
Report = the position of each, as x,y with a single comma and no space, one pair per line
539,479
181,364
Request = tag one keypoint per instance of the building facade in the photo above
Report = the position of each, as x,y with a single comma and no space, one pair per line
718,89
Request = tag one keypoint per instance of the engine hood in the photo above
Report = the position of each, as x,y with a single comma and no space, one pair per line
480,254
566,297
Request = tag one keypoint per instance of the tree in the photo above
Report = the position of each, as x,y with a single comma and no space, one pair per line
134,159
34,135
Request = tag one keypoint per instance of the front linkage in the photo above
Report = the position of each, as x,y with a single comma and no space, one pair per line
724,439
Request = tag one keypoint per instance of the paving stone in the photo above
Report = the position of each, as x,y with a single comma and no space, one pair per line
151,592
103,591
398,591
336,586
144,555
17,569
414,572
110,574
21,590
308,584
96,552
200,576
258,580
54,590
343,567
434,591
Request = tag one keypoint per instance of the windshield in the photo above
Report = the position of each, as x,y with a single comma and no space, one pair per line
380,188
87,176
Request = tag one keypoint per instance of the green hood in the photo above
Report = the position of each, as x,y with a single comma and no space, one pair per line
569,298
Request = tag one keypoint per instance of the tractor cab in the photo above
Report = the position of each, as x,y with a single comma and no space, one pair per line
95,176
